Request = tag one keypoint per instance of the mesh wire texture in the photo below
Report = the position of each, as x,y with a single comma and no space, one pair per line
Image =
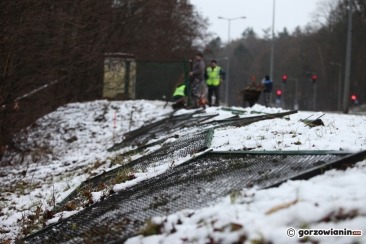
193,185
180,148
160,129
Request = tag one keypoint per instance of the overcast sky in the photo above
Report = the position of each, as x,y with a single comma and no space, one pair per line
258,13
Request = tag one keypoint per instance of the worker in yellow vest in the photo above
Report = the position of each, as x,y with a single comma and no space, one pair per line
180,96
214,76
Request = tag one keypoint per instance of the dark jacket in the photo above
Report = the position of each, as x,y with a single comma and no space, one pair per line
198,70
268,84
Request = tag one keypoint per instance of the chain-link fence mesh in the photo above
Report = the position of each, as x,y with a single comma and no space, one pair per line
165,127
192,185
160,129
167,154
179,148
158,79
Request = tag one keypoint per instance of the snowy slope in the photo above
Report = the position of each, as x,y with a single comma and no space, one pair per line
69,145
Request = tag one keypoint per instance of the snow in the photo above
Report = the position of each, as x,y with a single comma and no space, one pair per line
340,132
258,215
154,171
68,146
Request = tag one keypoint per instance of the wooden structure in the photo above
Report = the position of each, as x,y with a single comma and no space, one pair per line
119,81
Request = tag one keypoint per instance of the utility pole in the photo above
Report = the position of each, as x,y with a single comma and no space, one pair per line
314,96
272,46
228,56
272,43
348,60
296,102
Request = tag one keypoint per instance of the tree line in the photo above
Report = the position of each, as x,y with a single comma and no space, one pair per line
319,48
63,43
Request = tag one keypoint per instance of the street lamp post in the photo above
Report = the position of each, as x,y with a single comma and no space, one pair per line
339,83
296,102
272,42
272,48
228,61
347,75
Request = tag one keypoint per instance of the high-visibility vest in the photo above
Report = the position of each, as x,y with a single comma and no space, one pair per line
213,76
179,91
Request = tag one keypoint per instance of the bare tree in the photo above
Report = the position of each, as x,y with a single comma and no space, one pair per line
45,41
156,29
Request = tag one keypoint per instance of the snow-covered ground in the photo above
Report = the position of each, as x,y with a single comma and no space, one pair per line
69,146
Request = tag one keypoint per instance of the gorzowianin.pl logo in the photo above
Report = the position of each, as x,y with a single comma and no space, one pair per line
301,233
